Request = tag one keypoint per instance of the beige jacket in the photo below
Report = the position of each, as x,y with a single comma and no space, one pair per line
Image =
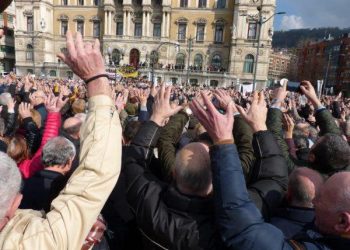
75,210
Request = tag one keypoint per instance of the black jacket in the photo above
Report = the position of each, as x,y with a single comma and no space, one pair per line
41,189
177,221
32,134
166,218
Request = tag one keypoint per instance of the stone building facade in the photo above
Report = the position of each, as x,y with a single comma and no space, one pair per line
7,41
211,42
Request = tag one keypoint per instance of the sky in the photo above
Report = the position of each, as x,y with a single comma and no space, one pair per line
312,14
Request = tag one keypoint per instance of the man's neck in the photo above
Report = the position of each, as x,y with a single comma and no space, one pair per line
3,223
57,169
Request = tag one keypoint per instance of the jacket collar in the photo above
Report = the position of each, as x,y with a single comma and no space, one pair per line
190,204
298,214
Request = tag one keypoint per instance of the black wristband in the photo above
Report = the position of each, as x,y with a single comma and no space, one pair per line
96,77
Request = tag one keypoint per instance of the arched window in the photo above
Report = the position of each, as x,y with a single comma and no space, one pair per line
29,52
198,62
248,64
180,61
53,73
216,61
221,4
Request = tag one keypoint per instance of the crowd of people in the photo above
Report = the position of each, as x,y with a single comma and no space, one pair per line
96,164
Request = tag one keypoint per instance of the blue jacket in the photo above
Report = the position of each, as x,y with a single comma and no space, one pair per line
240,223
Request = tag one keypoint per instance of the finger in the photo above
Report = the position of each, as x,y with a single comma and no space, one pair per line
96,45
70,45
88,46
230,109
262,98
168,93
242,112
209,104
79,44
255,97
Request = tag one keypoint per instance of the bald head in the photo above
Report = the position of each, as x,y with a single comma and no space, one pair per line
302,187
332,205
192,171
72,126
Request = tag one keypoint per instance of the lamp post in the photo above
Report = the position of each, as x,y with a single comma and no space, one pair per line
260,21
155,54
35,35
190,41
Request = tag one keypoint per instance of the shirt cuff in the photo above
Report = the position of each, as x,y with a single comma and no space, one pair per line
143,108
11,111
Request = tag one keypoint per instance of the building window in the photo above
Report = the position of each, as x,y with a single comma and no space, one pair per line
252,30
80,27
65,2
120,28
157,30
96,29
183,3
97,2
53,73
200,32
138,30
219,33
69,74
216,62
64,27
182,32
29,52
202,3
80,2
180,61
221,4
30,24
248,64
198,62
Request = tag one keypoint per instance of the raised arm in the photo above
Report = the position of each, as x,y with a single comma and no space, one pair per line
75,210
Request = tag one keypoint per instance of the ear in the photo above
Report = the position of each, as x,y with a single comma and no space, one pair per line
343,224
14,206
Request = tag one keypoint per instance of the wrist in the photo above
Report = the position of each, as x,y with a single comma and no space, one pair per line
221,141
157,120
258,127
316,103
99,86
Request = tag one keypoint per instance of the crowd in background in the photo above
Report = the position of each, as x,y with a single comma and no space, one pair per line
131,165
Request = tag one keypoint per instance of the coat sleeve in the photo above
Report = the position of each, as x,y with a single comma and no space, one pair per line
240,223
32,134
326,123
11,124
274,124
269,179
75,210
169,137
243,137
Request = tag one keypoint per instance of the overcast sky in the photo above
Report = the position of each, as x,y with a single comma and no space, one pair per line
313,14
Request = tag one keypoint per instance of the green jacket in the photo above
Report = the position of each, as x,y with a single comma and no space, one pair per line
167,143
324,120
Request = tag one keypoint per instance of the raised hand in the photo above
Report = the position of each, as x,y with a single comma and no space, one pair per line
55,104
309,91
289,126
218,126
142,95
11,105
161,107
257,112
85,60
24,110
224,99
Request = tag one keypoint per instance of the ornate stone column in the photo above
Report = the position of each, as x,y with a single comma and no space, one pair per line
105,23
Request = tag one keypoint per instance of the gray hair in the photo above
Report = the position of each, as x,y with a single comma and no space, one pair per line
10,182
58,151
4,98
2,126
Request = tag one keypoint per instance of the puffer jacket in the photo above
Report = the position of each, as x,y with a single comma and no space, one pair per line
32,134
75,210
30,166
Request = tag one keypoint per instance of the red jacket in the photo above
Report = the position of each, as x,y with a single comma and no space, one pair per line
30,166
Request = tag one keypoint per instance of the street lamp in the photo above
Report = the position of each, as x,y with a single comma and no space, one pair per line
261,20
34,35
152,56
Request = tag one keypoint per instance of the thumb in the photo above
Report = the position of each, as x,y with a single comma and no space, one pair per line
177,109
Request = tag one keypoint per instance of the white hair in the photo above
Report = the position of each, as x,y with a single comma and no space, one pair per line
4,98
10,182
